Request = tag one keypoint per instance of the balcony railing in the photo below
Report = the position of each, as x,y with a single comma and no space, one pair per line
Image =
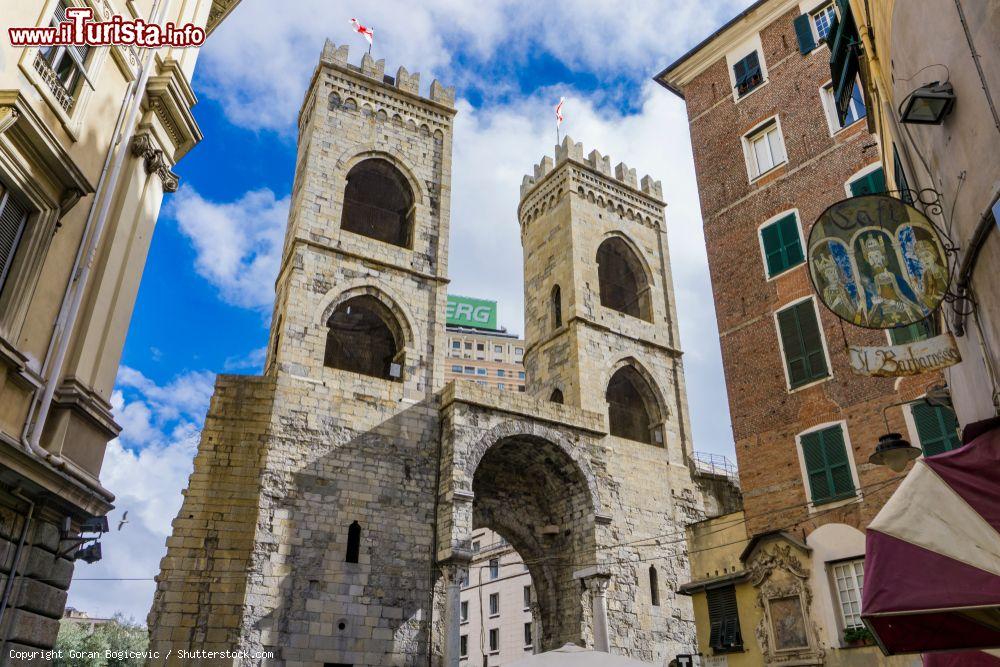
716,464
51,79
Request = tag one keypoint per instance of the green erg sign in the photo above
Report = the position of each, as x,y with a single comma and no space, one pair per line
465,312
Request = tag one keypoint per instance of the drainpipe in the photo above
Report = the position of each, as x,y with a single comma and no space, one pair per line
12,575
81,272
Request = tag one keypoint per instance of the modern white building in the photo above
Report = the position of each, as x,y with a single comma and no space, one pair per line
497,626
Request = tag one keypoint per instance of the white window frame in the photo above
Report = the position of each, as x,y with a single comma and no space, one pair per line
859,174
463,612
494,577
760,241
781,345
526,591
812,7
529,628
753,171
464,654
803,471
857,587
737,54
494,608
830,109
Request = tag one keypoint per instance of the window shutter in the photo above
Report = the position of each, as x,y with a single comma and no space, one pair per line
870,184
936,428
791,342
790,240
812,453
841,482
724,618
804,33
771,237
803,344
12,218
901,183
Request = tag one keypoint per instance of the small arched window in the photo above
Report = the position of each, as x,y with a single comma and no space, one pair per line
556,397
353,543
632,408
379,203
654,586
556,307
623,283
364,337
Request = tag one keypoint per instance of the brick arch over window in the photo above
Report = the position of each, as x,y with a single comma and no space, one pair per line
365,337
379,203
634,406
623,280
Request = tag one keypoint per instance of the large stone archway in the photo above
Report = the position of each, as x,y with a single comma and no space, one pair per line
528,490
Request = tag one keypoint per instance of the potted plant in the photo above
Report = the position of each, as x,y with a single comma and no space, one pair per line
858,636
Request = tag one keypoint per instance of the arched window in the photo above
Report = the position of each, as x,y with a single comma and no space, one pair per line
556,397
654,586
353,543
632,409
623,282
378,203
365,338
556,307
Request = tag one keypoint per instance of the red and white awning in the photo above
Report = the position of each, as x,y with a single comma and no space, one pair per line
932,561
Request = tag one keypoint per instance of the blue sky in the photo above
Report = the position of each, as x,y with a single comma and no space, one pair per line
205,299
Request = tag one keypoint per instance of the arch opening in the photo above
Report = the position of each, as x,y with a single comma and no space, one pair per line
531,493
364,337
379,203
633,411
556,397
556,307
624,285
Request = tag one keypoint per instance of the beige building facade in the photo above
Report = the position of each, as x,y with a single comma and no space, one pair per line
488,358
497,621
330,515
953,165
88,140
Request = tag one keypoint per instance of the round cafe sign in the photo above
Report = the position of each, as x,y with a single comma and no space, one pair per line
877,262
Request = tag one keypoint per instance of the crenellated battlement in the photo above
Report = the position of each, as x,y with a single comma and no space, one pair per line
569,150
375,69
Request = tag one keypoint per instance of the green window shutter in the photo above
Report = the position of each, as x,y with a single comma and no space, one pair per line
921,330
827,465
802,343
869,184
771,237
812,453
837,462
804,33
901,183
937,428
724,619
790,240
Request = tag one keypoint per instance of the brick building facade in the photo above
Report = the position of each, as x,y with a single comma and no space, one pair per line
770,157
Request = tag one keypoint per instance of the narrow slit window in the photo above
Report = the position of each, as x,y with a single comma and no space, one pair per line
353,543
654,586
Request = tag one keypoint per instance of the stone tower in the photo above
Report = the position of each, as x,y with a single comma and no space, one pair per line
328,519
313,490
599,298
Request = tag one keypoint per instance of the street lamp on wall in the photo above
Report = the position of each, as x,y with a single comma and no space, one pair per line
928,105
892,450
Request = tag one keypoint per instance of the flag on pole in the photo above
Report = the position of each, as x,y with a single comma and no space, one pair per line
364,31
559,114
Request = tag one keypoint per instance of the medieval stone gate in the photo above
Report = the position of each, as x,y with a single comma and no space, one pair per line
329,515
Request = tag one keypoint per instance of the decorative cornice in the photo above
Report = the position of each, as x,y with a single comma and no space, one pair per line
143,147
220,10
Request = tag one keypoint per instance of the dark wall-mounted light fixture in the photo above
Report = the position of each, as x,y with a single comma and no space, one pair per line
928,105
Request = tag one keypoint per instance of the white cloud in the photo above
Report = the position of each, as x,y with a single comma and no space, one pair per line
633,38
238,244
254,361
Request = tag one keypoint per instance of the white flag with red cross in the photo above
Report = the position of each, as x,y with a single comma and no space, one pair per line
363,30
559,113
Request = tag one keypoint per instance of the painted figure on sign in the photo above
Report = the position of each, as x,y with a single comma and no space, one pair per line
933,282
888,303
835,293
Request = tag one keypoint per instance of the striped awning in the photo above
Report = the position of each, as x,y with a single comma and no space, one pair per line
932,561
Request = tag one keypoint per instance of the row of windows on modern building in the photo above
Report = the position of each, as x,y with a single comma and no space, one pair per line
493,640
847,579
473,370
468,349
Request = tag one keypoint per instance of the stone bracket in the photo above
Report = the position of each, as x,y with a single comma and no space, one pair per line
142,147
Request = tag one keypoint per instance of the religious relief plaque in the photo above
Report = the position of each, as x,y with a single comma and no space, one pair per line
877,262
788,625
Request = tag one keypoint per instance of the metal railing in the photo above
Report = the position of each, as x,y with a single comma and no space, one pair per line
716,464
